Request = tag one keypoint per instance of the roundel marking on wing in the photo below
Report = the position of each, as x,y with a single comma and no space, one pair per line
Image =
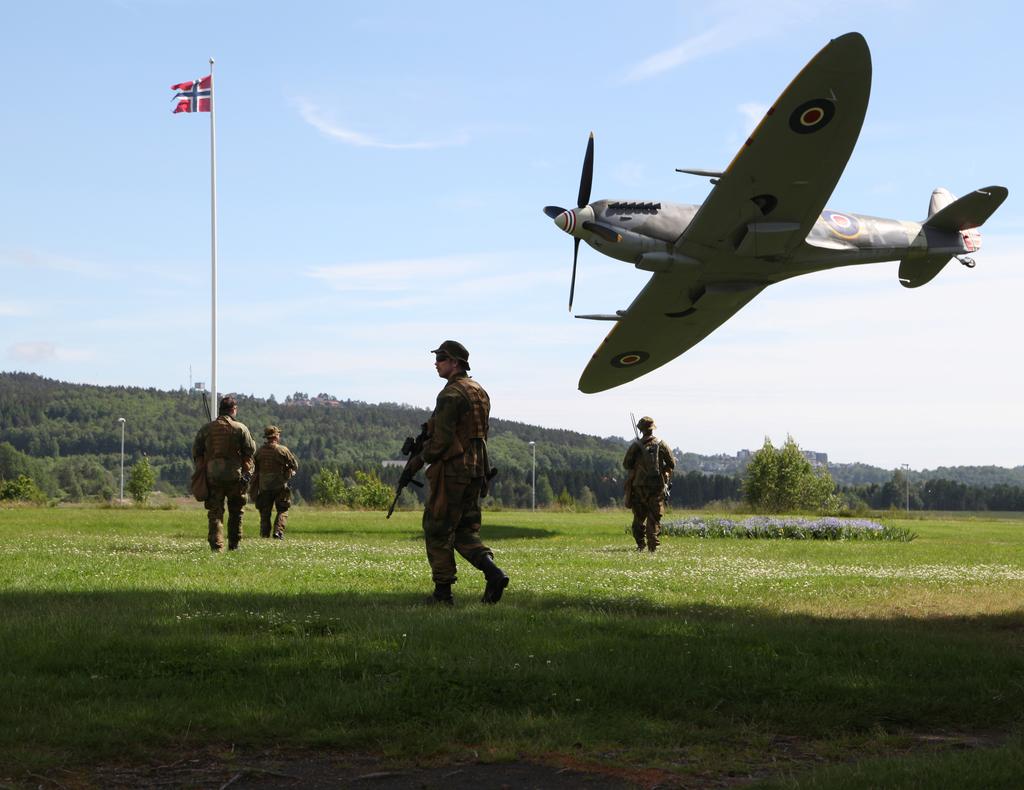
811,116
842,224
630,358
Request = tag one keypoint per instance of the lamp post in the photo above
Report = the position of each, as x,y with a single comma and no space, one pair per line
906,482
533,478
122,421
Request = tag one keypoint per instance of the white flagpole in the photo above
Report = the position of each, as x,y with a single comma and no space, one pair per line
214,400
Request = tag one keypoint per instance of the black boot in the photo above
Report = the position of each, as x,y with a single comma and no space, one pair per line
497,580
442,594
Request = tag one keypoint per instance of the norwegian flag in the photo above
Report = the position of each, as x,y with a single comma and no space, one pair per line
194,96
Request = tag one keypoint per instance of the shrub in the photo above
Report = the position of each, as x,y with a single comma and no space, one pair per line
783,481
140,481
369,492
21,489
328,487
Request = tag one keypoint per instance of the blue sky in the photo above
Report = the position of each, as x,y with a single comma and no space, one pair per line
381,174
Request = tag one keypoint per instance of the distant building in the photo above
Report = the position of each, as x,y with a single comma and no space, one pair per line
816,458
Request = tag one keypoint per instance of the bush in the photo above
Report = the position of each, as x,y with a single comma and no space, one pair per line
328,487
367,492
587,502
783,481
21,489
140,481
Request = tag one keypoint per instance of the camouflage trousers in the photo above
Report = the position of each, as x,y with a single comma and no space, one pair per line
648,508
266,501
234,493
458,529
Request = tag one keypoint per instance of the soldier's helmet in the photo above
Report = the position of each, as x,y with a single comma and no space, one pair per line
646,422
271,431
455,350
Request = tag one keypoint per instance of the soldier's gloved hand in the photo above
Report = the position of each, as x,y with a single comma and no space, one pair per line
246,477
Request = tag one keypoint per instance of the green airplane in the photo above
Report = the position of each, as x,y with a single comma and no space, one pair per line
764,221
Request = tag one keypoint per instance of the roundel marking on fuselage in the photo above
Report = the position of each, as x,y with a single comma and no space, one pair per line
630,358
811,116
842,224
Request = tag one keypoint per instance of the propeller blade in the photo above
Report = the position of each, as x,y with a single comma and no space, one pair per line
553,211
606,233
572,283
587,177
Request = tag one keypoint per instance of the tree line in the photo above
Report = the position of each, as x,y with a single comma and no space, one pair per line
66,439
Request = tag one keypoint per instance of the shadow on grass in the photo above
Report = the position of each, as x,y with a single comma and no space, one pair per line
488,532
89,674
508,532
493,532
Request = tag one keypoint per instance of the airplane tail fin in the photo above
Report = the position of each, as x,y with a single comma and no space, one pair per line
941,197
970,211
955,217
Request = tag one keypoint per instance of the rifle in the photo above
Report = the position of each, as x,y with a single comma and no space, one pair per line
636,433
412,447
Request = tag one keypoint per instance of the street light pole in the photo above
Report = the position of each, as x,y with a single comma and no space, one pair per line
122,421
533,478
906,482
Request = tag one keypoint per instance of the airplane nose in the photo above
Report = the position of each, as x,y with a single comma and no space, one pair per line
566,221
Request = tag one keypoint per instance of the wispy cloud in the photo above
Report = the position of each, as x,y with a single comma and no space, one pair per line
11,310
33,259
416,281
391,275
458,272
719,38
739,24
314,116
41,350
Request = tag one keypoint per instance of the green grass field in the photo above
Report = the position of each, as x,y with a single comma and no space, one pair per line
788,663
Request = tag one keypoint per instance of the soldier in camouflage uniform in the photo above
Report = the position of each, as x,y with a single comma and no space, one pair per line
275,464
226,447
650,464
456,451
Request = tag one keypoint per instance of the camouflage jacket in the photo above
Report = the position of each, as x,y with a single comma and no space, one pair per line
458,428
275,464
227,448
650,463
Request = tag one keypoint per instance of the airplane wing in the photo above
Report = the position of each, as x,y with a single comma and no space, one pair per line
764,205
776,186
669,316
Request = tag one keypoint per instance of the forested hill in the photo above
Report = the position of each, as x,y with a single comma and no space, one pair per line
67,437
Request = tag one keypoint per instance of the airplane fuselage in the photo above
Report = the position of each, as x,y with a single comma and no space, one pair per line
648,232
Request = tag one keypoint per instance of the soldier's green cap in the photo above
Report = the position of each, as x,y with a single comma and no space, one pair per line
271,430
646,422
455,350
